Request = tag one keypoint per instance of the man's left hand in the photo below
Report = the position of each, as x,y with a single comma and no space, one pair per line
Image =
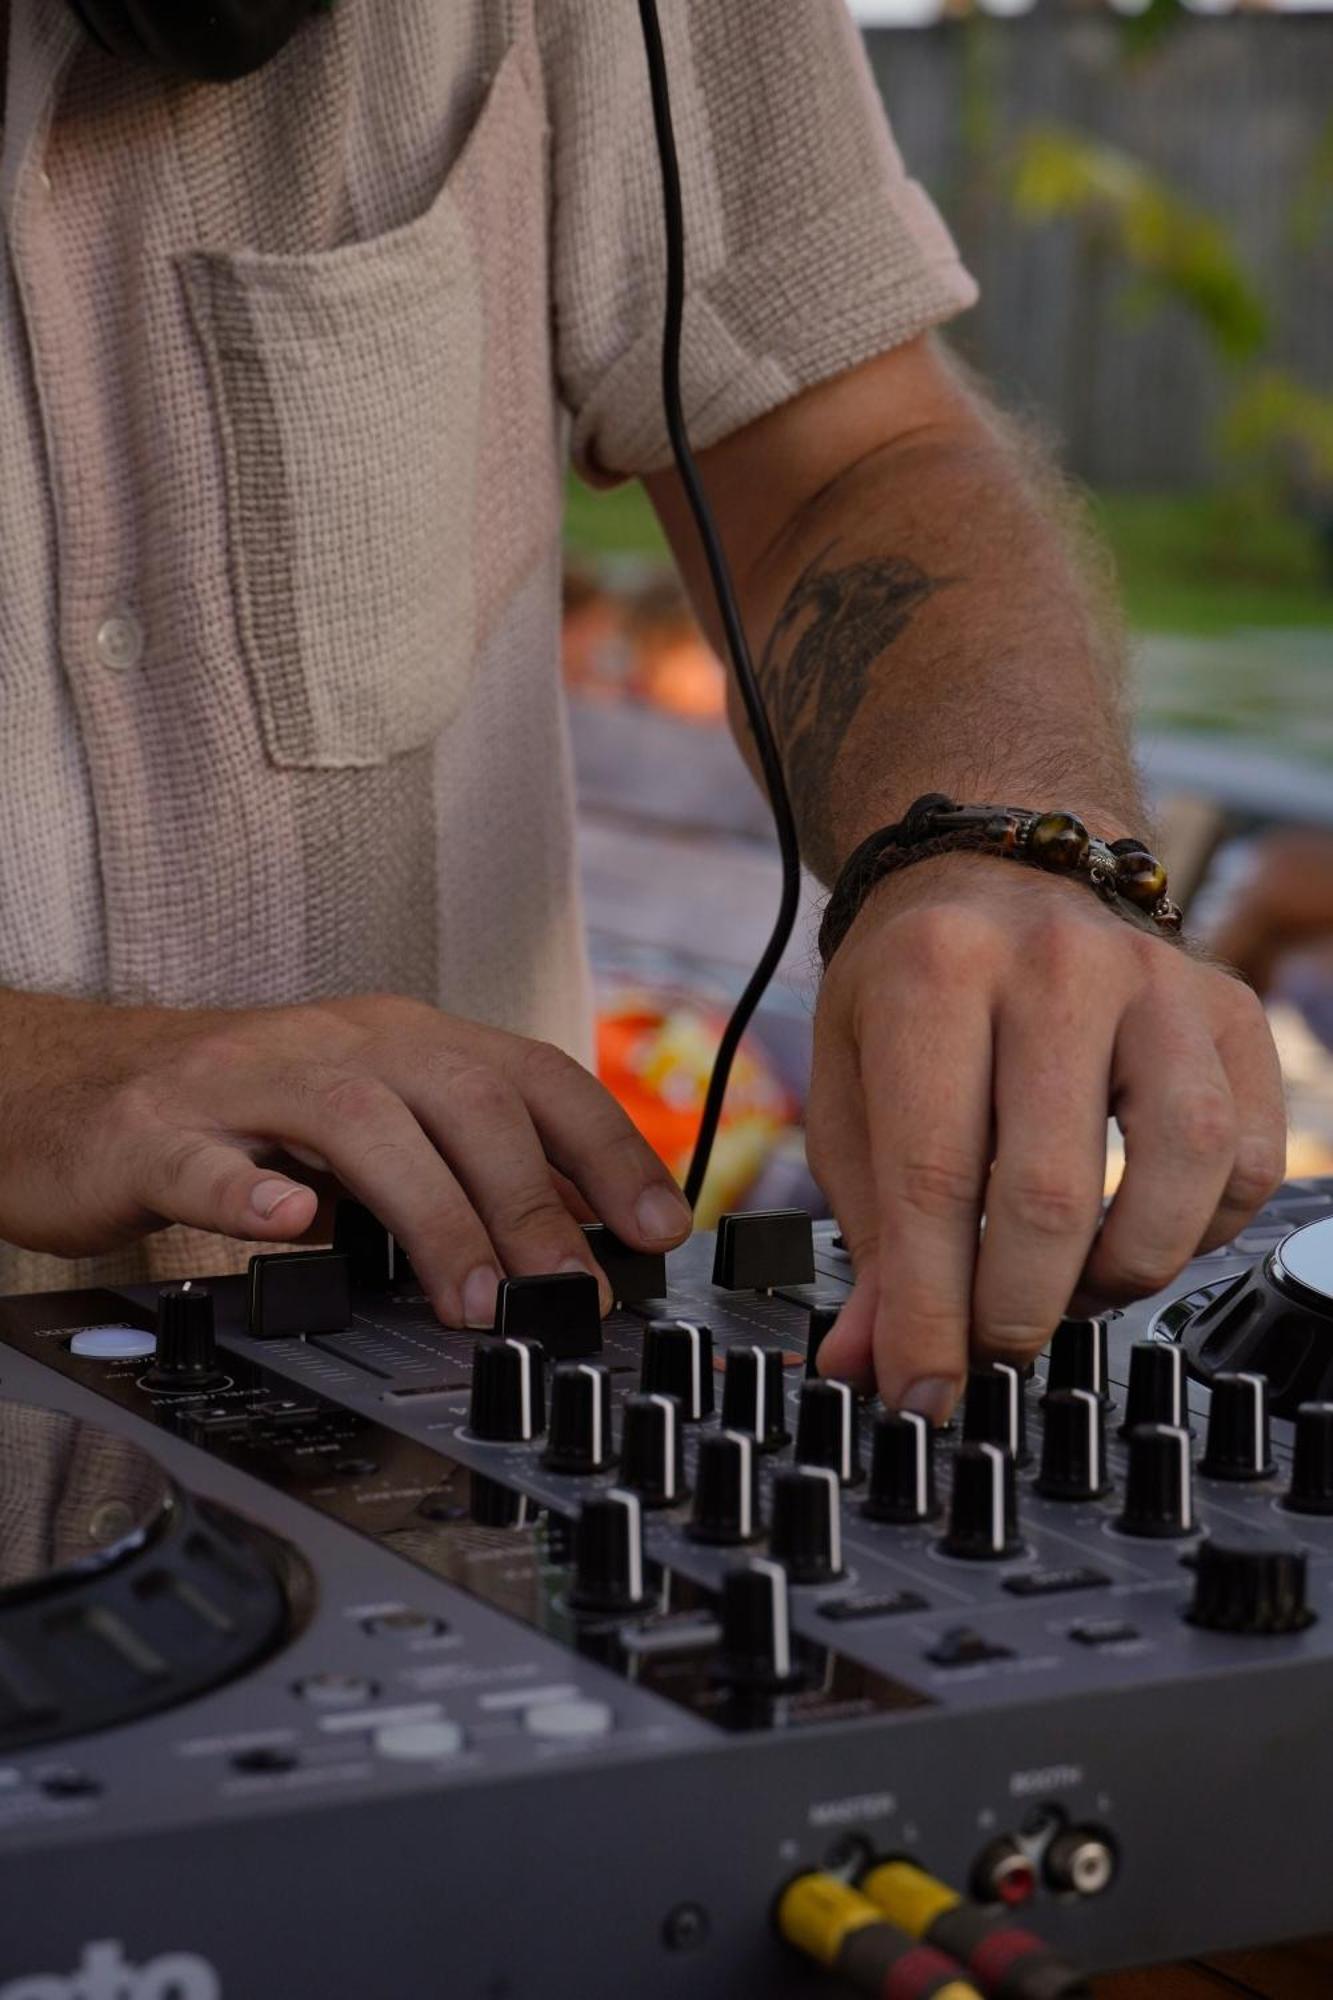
976,1028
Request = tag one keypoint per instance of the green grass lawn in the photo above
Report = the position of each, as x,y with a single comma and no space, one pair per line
1187,563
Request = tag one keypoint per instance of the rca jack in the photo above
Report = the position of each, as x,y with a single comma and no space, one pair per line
1004,1961
839,1928
1079,1861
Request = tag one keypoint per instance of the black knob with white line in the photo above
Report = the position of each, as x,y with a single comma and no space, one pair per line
608,1555
1156,1392
902,1469
1238,1445
1073,1446
754,1396
995,1409
1249,1587
1159,1498
652,1449
726,1490
826,1430
983,1508
755,1656
678,1361
805,1531
508,1404
821,1323
187,1350
579,1437
1078,1358
1311,1488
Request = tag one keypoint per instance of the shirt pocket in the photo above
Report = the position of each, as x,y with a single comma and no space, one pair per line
347,385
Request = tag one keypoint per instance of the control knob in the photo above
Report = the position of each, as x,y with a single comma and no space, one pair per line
1159,1502
1249,1587
1156,1393
652,1449
579,1437
508,1391
1078,1358
805,1534
756,1650
826,1432
1311,1488
678,1361
995,1410
753,1395
983,1509
902,1469
726,1489
187,1349
608,1554
1238,1444
1073,1446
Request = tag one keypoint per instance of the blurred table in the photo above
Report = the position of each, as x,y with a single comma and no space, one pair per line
1287,1972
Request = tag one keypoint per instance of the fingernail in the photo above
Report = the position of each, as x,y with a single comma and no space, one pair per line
663,1215
930,1396
604,1298
479,1292
267,1197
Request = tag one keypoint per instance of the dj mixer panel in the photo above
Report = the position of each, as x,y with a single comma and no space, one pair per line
344,1653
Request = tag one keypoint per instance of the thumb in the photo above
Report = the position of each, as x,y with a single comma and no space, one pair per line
209,1185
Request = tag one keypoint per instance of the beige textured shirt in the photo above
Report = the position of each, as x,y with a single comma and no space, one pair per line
290,372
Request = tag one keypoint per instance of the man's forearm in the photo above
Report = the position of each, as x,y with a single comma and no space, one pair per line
926,620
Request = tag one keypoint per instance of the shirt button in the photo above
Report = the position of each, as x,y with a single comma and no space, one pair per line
120,641
44,181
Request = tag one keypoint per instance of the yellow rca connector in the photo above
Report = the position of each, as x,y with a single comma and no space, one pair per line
833,1924
1006,1961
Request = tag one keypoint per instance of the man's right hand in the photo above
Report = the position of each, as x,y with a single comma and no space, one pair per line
116,1121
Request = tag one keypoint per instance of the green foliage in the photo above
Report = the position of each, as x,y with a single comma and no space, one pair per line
1279,424
1173,250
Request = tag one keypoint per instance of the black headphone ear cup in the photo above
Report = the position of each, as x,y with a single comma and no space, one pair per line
212,44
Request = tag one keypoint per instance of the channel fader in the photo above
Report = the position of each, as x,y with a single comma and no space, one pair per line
343,1653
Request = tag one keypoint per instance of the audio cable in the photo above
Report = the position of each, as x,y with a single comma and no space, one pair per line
830,1922
724,591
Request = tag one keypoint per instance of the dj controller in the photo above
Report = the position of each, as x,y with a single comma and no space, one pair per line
342,1654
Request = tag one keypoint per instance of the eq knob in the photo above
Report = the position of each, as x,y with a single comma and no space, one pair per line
756,1649
1158,1497
754,1397
1249,1587
726,1490
678,1361
983,1508
1156,1393
902,1469
1078,1358
579,1437
508,1403
608,1555
805,1533
995,1410
1073,1446
1311,1488
187,1349
822,1321
1238,1444
652,1450
826,1432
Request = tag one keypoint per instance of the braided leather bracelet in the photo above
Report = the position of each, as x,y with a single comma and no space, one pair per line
1122,872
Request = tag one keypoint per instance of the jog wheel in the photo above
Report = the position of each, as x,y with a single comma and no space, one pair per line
120,1594
1274,1320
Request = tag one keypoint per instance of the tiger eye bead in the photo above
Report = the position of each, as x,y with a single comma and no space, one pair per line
1140,879
1058,841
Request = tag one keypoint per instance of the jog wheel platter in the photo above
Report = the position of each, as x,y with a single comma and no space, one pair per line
1275,1320
119,1594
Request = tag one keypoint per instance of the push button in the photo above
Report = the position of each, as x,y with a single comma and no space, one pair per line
965,1647
120,641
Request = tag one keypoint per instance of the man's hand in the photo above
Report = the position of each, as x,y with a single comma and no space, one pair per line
464,1140
975,1029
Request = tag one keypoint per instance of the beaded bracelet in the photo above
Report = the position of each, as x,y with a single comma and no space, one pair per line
1124,873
